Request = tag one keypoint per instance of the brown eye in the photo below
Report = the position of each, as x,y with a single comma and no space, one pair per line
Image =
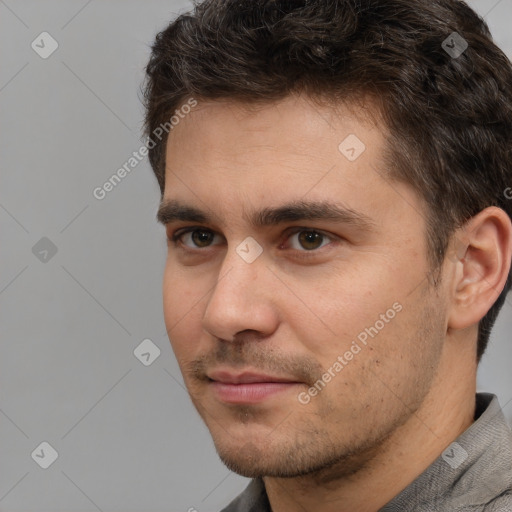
202,237
310,240
196,238
308,243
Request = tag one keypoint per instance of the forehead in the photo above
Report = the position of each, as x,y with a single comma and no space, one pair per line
295,136
297,122
234,158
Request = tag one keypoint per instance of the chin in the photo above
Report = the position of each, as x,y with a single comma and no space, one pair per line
252,462
259,457
255,453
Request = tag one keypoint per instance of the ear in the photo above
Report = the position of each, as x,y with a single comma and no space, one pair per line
482,252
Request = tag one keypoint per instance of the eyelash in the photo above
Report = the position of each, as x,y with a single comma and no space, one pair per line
304,254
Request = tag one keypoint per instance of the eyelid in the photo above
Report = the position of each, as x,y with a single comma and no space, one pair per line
287,234
175,237
298,229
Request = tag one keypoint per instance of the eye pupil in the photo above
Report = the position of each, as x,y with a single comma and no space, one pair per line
201,237
310,239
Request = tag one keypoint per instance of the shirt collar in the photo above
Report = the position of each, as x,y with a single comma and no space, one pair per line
473,470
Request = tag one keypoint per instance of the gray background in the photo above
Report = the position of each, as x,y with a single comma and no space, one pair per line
126,434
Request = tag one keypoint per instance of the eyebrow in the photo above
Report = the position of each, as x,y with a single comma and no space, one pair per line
171,210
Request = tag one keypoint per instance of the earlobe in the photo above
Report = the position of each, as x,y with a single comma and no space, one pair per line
482,251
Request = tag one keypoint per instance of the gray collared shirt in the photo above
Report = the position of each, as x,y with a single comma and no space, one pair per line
473,474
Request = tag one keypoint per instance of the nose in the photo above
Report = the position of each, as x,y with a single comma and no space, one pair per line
242,299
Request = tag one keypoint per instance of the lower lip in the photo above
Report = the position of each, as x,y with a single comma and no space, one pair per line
249,393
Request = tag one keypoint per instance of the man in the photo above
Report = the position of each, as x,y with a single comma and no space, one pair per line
339,245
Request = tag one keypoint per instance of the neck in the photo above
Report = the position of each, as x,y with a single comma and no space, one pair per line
447,411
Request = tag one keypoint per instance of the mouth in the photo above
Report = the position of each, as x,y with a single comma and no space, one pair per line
248,387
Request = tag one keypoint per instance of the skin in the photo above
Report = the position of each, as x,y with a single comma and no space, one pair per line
386,416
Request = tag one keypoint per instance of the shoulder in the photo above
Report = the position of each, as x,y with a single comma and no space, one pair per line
502,503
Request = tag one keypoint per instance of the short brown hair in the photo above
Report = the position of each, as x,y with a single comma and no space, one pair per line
449,115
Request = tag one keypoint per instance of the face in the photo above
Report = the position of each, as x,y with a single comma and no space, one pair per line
295,291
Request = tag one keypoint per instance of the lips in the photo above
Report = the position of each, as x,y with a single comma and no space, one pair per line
248,387
245,377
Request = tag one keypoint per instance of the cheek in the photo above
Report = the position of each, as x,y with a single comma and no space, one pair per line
333,312
179,291
341,316
182,311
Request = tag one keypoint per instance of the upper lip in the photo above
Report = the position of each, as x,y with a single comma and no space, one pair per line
245,377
